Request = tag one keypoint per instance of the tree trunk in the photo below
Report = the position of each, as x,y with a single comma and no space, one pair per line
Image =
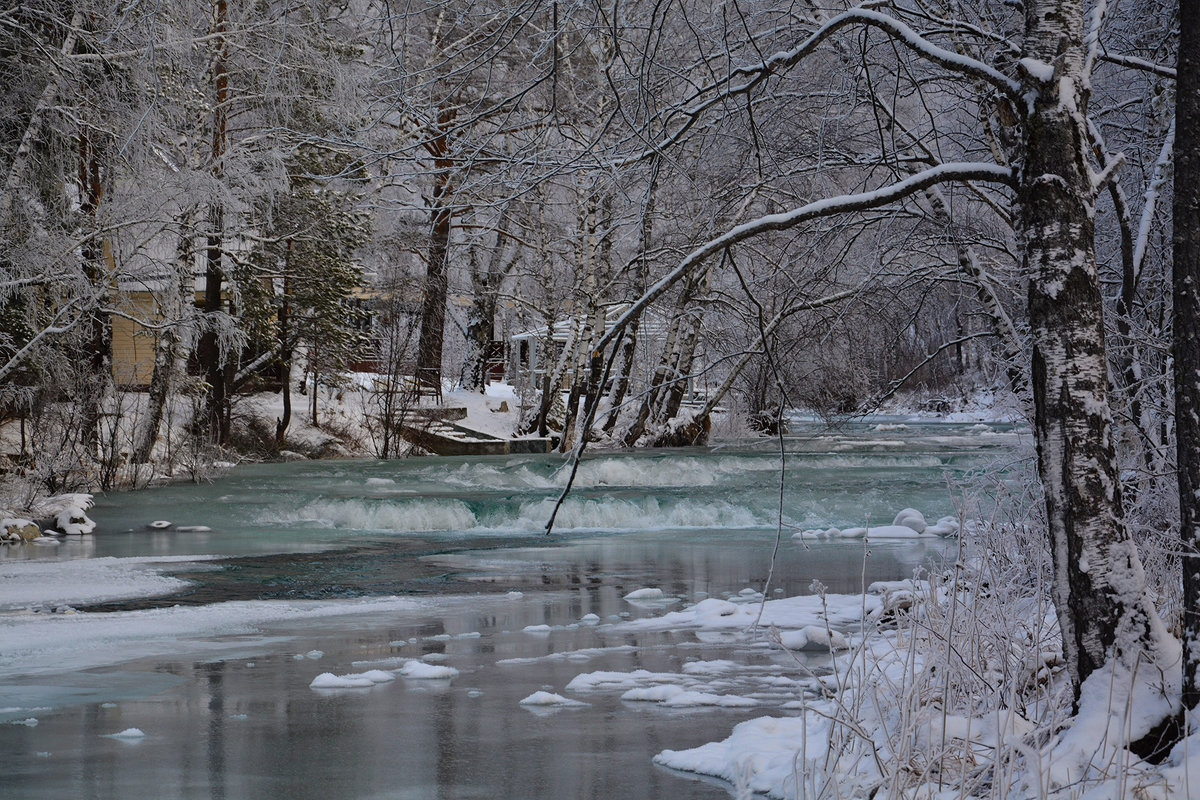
1099,588
433,309
209,352
1187,345
167,354
481,325
99,379
285,363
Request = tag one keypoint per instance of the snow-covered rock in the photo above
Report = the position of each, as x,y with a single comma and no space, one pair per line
70,517
911,518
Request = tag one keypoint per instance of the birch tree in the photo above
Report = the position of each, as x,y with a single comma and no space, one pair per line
1038,91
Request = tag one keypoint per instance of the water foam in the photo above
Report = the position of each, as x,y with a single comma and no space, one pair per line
663,472
368,515
607,513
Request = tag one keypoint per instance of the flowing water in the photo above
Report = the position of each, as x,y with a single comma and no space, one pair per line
347,565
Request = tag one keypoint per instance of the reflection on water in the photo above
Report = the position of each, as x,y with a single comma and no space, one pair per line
247,725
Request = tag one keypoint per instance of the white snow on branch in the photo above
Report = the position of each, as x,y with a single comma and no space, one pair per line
942,173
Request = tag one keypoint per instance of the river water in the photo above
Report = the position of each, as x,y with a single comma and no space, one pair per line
345,566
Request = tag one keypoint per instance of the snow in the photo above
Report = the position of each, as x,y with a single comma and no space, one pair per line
653,694
908,524
36,644
327,680
47,582
551,699
1038,70
911,518
814,638
128,733
698,699
645,594
419,670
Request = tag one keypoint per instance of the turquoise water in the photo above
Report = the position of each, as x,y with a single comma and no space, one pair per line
231,715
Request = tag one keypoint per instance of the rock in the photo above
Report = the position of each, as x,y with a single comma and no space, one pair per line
18,530
291,455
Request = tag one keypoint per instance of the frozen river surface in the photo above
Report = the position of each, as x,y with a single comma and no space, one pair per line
206,642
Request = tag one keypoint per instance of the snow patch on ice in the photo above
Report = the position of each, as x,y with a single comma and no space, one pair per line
543,698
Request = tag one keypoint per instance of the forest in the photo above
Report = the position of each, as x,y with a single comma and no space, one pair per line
640,214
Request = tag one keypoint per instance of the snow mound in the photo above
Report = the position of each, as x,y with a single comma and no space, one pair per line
813,639
551,699
911,518
69,514
327,680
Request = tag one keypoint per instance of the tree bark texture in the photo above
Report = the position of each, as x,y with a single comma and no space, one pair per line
94,253
1186,292
1099,587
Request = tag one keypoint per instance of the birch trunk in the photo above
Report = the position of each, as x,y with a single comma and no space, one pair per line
1099,588
167,356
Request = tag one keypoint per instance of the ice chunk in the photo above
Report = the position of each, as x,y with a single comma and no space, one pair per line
551,699
652,694
688,699
645,594
327,680
419,670
128,733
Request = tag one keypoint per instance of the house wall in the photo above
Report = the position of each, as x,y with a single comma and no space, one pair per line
133,344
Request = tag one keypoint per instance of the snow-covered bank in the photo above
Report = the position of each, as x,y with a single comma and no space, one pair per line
952,687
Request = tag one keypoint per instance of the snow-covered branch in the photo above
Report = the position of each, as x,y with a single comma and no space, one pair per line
744,79
1133,62
943,173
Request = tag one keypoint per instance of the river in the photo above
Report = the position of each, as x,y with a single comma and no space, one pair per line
204,637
